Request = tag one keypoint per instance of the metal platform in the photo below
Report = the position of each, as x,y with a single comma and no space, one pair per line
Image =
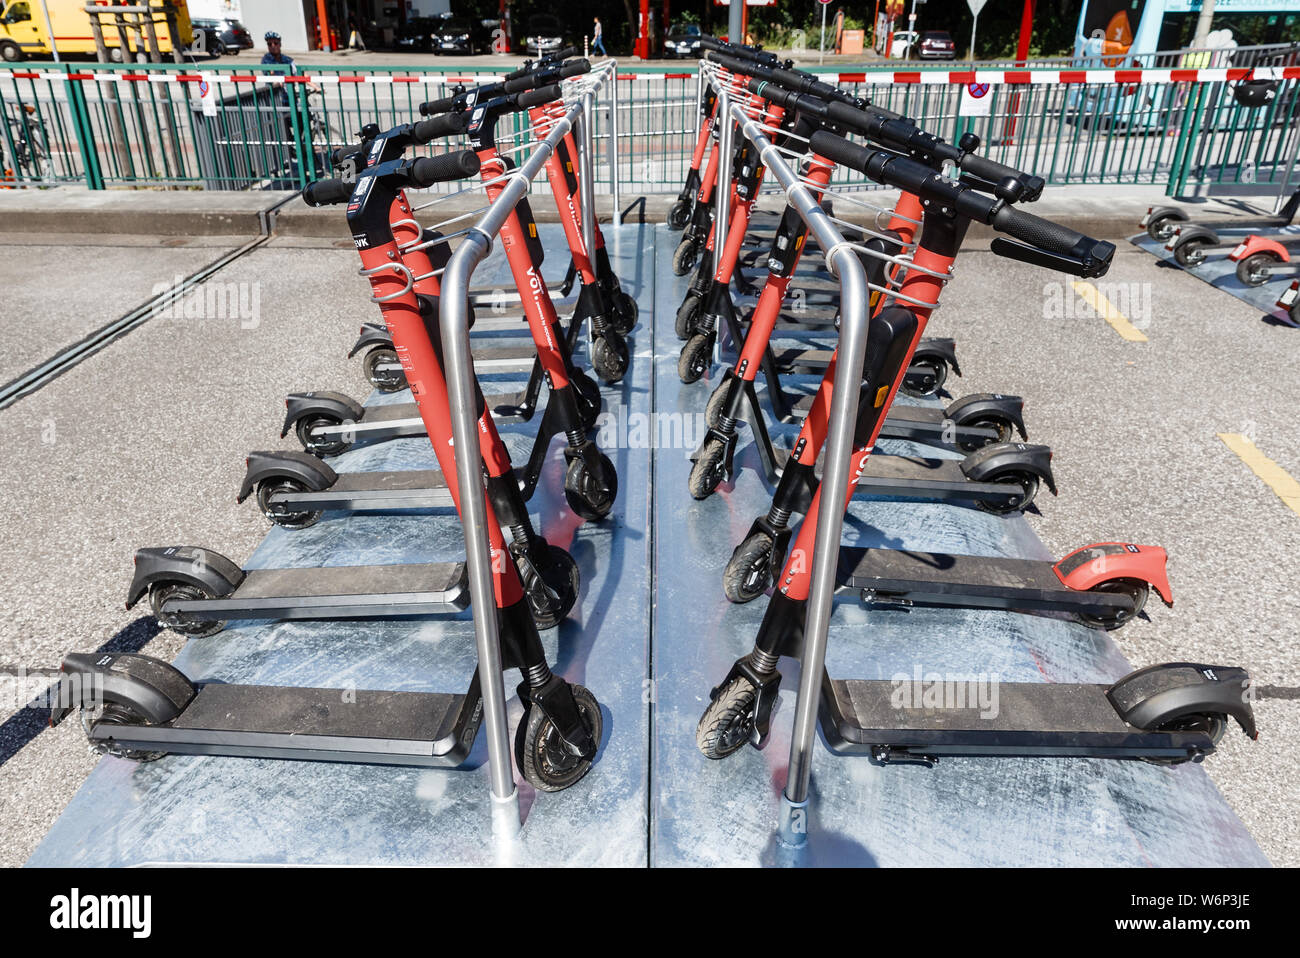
651,634
1221,273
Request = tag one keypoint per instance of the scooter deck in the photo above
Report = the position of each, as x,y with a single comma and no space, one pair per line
339,592
374,491
1051,719
987,582
374,727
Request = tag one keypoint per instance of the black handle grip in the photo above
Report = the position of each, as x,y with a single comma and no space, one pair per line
523,80
526,101
840,151
1031,187
449,124
345,153
326,192
575,69
564,54
737,65
438,107
428,170
1055,238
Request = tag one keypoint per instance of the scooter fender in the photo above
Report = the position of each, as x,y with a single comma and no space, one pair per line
1102,562
976,405
1258,244
342,407
943,349
1160,694
1163,212
148,686
302,467
371,335
210,571
1186,234
988,463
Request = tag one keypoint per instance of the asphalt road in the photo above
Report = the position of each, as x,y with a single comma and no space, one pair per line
143,444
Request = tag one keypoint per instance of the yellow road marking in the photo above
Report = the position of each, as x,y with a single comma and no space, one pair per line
1274,476
1107,311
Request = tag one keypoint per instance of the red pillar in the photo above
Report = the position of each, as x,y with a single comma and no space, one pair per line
642,48
1026,31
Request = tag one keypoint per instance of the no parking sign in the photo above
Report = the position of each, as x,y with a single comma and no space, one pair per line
205,93
975,99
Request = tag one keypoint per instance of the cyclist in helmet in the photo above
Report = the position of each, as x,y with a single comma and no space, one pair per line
273,54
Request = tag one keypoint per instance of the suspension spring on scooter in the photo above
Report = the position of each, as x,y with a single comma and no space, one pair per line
778,517
521,534
575,437
727,425
763,662
538,675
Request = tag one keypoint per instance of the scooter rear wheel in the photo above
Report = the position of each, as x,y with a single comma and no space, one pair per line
1028,483
1161,228
286,520
115,713
1192,252
1213,724
928,380
544,761
1135,588
749,571
1005,429
320,446
385,380
1256,269
727,725
160,592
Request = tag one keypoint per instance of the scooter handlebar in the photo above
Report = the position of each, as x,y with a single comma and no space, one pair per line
449,124
532,98
1094,256
530,79
428,170
326,192
438,107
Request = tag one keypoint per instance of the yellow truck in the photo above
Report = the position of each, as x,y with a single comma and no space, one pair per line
23,33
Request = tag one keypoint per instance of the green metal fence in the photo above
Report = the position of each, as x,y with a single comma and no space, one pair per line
235,127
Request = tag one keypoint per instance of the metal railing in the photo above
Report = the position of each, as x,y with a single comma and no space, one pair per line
226,127
845,265
455,318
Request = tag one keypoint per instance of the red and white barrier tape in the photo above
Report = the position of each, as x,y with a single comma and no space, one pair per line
928,77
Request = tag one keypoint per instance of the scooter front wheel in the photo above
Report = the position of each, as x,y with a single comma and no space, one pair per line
609,357
695,358
551,586
679,215
589,399
544,761
749,571
709,469
687,315
625,312
727,725
590,489
688,250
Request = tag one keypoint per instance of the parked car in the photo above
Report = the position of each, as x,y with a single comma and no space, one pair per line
904,40
418,35
683,40
936,45
235,35
207,37
544,34
461,35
